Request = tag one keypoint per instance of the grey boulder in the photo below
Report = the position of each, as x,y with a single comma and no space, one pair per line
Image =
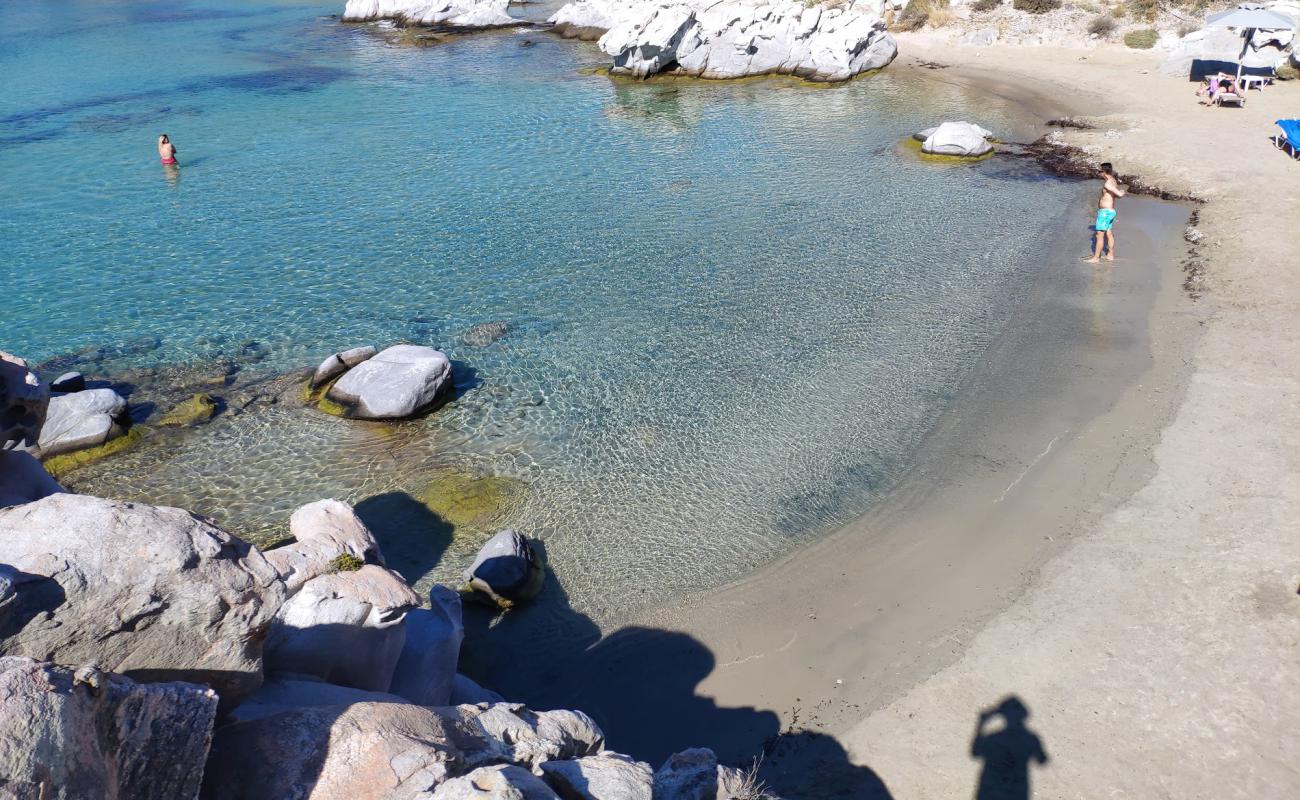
688,775
80,420
426,668
384,750
23,479
323,532
501,782
89,735
607,776
157,594
466,690
507,570
287,692
344,627
68,382
340,363
400,381
24,399
958,139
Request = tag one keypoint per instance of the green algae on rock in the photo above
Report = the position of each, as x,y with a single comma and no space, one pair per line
198,409
346,562
62,464
471,501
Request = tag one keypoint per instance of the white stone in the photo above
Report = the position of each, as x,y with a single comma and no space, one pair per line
340,363
607,776
80,420
400,381
468,14
323,531
957,139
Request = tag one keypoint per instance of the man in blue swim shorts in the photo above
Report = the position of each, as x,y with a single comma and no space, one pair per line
1105,236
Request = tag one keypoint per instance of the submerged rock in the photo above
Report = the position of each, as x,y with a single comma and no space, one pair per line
340,363
502,782
958,139
507,570
198,409
23,479
384,750
735,38
470,501
607,776
344,627
400,381
89,735
80,420
24,400
156,594
485,333
468,14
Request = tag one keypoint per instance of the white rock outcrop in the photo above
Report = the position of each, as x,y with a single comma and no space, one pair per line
322,531
80,420
957,139
735,38
157,594
502,782
83,734
400,381
464,14
607,775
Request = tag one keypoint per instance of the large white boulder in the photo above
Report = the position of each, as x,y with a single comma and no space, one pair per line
23,402
736,38
83,734
156,594
80,420
324,531
468,14
607,776
340,363
958,139
502,782
426,670
343,627
384,750
400,381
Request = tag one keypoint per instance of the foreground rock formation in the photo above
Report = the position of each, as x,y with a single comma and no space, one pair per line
464,14
23,403
734,38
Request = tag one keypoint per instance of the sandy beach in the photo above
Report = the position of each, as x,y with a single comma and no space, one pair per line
1124,563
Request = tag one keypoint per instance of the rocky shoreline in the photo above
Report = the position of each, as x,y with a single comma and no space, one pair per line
161,657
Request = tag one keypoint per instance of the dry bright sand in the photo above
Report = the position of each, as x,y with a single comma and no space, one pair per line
1135,586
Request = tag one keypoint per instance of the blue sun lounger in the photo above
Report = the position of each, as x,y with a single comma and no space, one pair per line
1289,137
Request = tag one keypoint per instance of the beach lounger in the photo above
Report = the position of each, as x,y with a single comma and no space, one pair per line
1229,98
1289,138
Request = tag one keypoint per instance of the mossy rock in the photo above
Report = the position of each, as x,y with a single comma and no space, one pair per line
198,409
910,143
318,397
62,464
346,562
471,501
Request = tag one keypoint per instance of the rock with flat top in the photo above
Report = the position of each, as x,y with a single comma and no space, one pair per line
688,775
398,382
157,594
343,627
384,750
24,399
340,363
288,692
80,420
501,782
426,669
607,776
23,479
466,14
84,734
958,139
323,532
507,570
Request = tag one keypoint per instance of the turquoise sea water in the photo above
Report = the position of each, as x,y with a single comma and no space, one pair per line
734,309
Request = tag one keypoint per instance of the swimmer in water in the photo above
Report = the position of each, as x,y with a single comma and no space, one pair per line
166,151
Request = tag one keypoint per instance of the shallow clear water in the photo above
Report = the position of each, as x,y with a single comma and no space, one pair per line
734,309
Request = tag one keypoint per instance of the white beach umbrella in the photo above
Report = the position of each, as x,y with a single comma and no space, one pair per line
1249,17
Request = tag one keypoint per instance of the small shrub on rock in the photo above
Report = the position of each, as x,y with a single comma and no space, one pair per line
346,562
1143,39
985,6
1036,6
1102,25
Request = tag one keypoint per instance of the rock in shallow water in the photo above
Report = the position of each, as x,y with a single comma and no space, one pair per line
469,14
80,420
88,735
340,363
68,382
398,382
958,139
507,570
154,593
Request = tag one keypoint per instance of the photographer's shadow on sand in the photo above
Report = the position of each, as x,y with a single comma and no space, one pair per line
639,684
1006,751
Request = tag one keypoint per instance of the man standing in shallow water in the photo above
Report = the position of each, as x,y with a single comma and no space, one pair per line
1106,214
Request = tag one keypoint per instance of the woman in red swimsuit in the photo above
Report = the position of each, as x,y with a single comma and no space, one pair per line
166,150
